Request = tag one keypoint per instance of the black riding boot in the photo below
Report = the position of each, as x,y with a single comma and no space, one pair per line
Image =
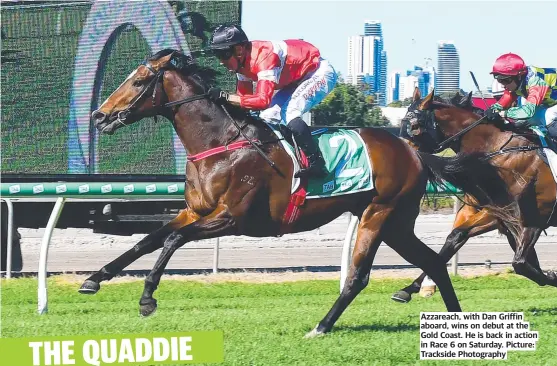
303,137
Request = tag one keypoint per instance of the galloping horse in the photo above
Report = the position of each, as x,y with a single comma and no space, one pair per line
239,191
431,126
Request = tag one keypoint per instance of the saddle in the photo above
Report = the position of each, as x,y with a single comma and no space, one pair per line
289,136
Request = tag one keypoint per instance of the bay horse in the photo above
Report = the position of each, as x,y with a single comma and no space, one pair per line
432,125
238,192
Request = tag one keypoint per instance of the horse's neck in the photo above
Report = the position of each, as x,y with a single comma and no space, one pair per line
201,125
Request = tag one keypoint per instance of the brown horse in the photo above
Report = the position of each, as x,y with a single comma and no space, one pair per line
239,193
428,126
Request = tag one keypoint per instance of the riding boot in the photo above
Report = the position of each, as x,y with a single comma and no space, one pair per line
303,137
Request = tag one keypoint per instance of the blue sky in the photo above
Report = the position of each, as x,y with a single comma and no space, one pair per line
481,31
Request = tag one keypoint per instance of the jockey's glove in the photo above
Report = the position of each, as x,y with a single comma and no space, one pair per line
492,114
218,95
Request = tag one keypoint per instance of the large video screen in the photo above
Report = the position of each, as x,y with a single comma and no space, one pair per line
60,60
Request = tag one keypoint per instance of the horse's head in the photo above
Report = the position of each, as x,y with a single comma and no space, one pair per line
431,120
419,124
142,94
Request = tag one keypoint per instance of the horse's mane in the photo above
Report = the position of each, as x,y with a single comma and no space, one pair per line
461,101
464,102
204,77
187,66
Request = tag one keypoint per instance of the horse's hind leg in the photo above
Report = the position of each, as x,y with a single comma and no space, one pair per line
523,262
530,267
404,242
147,245
367,242
468,223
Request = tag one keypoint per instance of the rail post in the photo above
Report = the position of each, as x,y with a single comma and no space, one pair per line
454,259
43,257
9,244
216,256
347,250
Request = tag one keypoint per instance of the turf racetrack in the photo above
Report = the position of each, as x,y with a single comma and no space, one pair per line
264,323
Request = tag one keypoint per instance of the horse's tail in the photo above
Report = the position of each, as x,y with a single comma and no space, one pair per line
475,175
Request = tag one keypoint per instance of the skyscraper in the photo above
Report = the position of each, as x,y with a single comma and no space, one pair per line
373,28
424,76
407,85
447,77
362,55
393,87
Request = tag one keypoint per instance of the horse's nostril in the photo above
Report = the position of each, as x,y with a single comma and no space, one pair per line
98,116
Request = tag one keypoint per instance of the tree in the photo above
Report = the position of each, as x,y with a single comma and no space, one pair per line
347,106
401,103
375,118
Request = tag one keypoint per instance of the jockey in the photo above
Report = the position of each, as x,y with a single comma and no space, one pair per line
294,68
538,87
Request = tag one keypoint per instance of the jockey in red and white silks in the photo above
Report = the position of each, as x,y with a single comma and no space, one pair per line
295,69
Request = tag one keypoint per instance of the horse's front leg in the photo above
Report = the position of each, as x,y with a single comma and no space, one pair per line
147,245
367,242
219,223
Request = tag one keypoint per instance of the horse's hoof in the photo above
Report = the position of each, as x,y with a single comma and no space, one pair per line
551,278
89,287
314,333
148,309
401,296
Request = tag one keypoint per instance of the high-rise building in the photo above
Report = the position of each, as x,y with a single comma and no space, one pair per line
424,76
447,77
363,51
431,71
407,85
373,28
393,87
382,85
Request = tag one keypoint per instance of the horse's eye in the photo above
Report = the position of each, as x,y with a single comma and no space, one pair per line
137,83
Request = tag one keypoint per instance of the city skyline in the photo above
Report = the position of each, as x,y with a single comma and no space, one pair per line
411,31
367,64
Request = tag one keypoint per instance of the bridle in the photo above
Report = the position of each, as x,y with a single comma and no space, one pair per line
122,115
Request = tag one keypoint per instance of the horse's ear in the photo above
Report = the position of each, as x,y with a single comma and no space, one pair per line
469,99
181,61
163,61
176,60
456,99
426,103
417,95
